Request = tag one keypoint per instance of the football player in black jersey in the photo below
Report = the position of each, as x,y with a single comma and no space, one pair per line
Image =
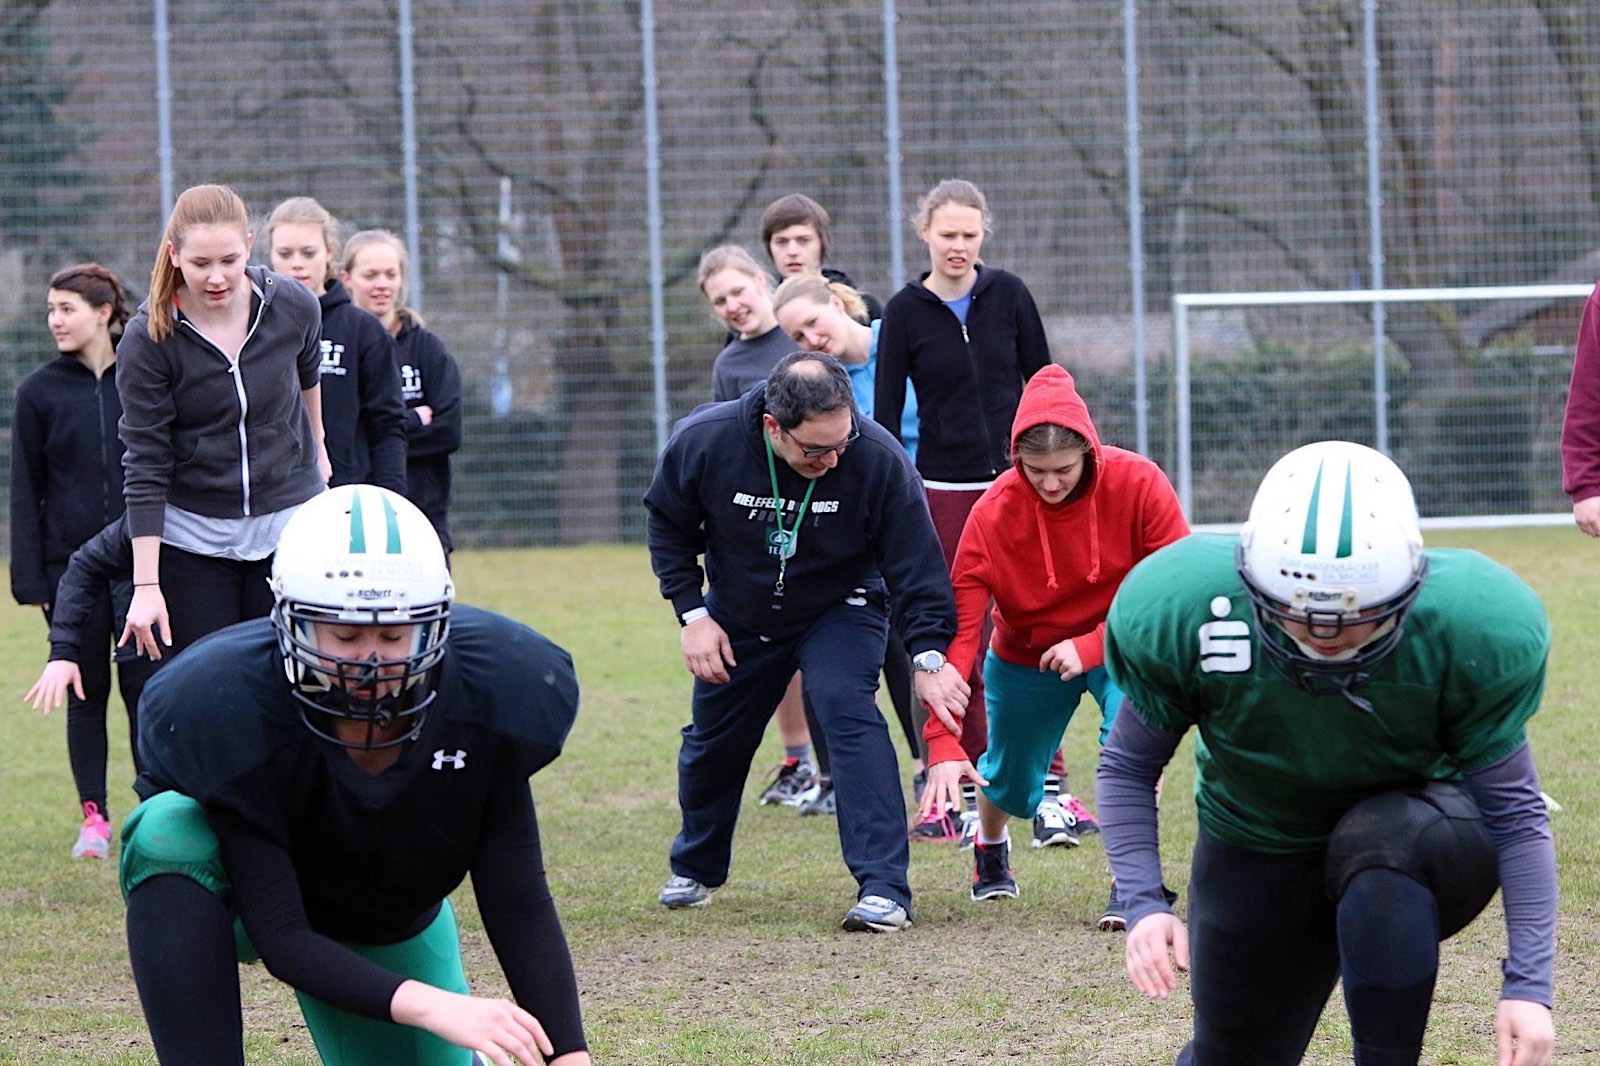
327,777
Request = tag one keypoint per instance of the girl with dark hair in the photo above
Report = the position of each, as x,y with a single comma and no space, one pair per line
222,419
66,485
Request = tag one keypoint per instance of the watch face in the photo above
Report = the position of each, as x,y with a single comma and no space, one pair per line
929,662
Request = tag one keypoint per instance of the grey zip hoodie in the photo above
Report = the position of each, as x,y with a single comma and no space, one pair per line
210,438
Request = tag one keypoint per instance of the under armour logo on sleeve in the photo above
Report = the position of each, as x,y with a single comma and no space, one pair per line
457,761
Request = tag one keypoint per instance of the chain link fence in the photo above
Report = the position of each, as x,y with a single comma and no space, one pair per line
531,192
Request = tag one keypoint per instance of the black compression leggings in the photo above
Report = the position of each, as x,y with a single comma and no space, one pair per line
1267,944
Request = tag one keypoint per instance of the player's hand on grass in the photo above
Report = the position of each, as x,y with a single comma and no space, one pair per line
1156,944
707,652
500,1029
50,691
1525,1032
1587,514
147,616
946,695
943,788
1063,658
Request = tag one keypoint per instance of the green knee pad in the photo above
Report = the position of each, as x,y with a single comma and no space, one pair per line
168,834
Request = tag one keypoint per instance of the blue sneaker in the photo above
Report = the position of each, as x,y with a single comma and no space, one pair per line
684,892
876,914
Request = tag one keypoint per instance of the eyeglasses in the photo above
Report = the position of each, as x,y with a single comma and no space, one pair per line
811,452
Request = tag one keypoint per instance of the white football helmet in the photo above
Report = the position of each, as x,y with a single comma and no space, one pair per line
365,556
1332,540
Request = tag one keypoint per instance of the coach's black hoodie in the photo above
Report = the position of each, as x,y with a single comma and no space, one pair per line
867,525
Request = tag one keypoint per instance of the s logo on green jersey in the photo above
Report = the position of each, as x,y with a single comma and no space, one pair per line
1224,644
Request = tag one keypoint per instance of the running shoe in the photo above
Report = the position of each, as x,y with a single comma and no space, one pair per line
1054,826
94,838
991,872
819,799
969,830
938,828
681,892
789,786
1086,824
1115,916
877,914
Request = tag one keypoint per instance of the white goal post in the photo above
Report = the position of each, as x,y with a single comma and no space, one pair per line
1184,303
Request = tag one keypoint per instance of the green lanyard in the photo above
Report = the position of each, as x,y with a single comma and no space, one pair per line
785,540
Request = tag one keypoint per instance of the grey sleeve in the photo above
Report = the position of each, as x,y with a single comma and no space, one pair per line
1507,794
1130,765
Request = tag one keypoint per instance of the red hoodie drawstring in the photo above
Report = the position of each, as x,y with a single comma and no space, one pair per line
1094,538
1044,545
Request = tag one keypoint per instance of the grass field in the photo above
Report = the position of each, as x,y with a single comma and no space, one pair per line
763,974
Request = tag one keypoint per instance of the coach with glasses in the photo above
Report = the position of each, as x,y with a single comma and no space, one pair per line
815,533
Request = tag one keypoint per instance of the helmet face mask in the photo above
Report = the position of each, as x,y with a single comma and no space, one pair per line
352,558
1333,541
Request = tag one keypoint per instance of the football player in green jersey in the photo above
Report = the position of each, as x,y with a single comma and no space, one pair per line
1364,780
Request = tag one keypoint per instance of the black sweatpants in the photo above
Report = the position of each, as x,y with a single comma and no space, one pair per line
205,594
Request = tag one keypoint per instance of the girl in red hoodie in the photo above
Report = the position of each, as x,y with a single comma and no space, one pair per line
1049,542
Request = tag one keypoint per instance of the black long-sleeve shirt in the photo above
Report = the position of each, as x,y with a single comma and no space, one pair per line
867,524
66,469
968,377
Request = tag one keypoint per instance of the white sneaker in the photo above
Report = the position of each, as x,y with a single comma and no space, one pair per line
1054,826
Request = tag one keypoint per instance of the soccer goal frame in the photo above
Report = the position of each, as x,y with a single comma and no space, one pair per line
1183,303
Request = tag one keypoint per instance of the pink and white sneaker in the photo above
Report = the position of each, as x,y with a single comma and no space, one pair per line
1087,824
94,839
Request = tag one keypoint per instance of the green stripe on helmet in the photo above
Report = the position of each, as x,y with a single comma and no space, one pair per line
1308,539
391,522
1348,518
358,529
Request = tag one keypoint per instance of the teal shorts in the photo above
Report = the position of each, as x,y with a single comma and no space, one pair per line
168,834
1029,710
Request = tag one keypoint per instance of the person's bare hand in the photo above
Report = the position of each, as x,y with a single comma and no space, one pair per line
946,694
1525,1034
707,651
1157,944
50,691
1063,658
498,1028
942,790
424,414
1587,514
148,624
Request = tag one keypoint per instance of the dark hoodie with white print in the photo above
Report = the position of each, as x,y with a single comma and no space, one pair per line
1052,569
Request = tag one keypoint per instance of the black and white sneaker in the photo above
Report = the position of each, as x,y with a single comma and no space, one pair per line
876,914
819,799
1116,913
1054,826
681,892
791,783
991,872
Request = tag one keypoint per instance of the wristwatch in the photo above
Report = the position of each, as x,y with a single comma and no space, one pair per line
929,662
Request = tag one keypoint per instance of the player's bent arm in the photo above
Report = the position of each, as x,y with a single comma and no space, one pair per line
1130,765
520,918
267,896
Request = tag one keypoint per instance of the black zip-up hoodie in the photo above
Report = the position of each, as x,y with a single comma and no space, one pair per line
363,420
968,378
429,376
66,469
867,525
210,440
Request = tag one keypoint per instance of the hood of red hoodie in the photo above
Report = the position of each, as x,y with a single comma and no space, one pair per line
1051,397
